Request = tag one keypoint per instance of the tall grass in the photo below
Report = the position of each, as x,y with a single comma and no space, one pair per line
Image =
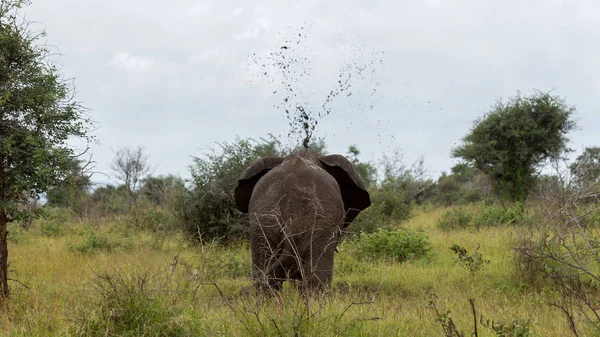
155,284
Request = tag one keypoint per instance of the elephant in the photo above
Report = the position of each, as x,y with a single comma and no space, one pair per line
297,207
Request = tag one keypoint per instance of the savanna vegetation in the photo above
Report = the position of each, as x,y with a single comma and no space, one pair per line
505,244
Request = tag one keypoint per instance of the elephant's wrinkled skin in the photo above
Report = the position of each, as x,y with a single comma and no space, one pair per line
297,207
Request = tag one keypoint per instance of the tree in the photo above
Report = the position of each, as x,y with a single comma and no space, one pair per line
158,189
367,172
131,167
463,172
207,210
586,168
512,140
38,115
465,184
73,188
393,197
109,200
317,146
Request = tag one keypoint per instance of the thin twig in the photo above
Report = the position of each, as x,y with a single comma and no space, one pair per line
235,312
472,301
19,282
276,326
363,303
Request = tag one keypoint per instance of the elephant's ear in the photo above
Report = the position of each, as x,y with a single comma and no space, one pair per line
246,183
354,193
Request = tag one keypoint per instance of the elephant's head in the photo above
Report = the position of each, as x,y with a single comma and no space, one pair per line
352,189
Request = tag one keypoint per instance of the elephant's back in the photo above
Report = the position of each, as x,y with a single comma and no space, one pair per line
297,188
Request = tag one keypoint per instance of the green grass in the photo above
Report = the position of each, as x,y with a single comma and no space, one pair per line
86,281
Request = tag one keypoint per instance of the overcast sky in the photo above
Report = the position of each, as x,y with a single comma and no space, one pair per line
175,76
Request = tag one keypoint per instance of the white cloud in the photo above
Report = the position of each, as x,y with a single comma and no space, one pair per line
238,11
132,63
434,3
255,28
195,10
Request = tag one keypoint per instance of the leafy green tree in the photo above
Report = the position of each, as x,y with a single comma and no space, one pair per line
37,117
412,180
586,168
317,146
353,152
207,209
393,197
513,140
461,186
463,172
449,191
73,189
366,171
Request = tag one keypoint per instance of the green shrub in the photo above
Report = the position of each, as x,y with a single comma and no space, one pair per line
449,190
51,229
207,209
16,233
152,218
472,262
516,328
351,267
219,261
54,219
388,208
100,241
235,265
535,262
399,245
392,204
394,197
471,196
454,219
464,185
109,200
462,196
369,221
489,216
135,304
497,216
448,198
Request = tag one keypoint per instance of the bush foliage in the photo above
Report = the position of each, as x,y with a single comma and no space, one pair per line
397,245
482,216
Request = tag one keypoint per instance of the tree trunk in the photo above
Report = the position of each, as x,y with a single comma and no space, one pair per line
3,257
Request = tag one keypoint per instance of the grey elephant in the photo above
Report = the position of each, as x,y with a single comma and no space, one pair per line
297,207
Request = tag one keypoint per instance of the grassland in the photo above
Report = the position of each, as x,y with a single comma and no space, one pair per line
74,279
